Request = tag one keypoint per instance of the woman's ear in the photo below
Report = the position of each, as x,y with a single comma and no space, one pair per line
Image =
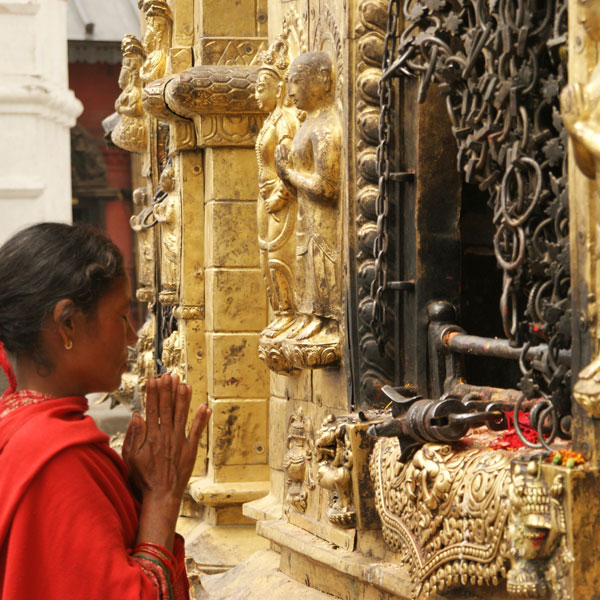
62,317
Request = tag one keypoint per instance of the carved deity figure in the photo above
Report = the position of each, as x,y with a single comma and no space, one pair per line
311,166
131,132
334,454
146,365
142,222
540,557
172,355
297,461
276,205
167,212
157,36
580,111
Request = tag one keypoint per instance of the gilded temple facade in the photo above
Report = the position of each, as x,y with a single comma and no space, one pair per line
368,240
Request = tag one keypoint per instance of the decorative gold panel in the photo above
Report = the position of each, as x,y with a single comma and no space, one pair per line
445,511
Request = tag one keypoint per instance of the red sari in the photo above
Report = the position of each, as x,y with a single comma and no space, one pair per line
68,519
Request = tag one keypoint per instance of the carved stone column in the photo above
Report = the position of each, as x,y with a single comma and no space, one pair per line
36,112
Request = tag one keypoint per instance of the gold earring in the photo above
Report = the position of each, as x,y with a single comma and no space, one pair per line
69,345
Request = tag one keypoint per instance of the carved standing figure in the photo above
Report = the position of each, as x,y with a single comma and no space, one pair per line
297,461
172,355
131,132
141,222
312,167
168,213
157,37
146,365
580,111
276,205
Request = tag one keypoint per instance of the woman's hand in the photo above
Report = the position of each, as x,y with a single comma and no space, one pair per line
157,451
161,457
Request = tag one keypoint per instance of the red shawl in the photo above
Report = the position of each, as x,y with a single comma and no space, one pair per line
68,519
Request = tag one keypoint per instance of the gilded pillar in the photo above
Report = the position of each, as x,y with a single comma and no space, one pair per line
581,120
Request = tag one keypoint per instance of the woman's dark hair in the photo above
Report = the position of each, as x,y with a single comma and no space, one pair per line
46,263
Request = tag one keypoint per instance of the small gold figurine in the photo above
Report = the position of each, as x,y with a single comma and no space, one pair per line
157,39
141,222
168,214
131,132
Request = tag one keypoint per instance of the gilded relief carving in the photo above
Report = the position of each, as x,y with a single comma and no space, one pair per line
172,355
295,33
276,204
327,38
146,365
142,222
334,455
580,111
376,369
311,167
131,132
221,101
540,557
297,461
445,511
167,211
230,51
157,39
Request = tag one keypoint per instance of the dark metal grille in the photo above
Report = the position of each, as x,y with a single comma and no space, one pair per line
500,65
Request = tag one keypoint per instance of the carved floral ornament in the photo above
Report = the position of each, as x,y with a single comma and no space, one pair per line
320,460
335,460
460,515
444,512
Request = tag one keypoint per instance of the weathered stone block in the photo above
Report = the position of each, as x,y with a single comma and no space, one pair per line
236,300
296,387
329,389
278,431
227,18
234,369
231,174
232,473
232,235
239,432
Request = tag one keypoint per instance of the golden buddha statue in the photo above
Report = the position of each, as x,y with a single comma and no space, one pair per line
157,39
311,166
167,212
131,132
276,205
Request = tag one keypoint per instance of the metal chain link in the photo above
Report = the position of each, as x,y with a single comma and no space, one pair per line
379,318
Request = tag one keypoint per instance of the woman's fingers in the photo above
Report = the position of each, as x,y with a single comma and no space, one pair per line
198,425
182,407
166,402
152,406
